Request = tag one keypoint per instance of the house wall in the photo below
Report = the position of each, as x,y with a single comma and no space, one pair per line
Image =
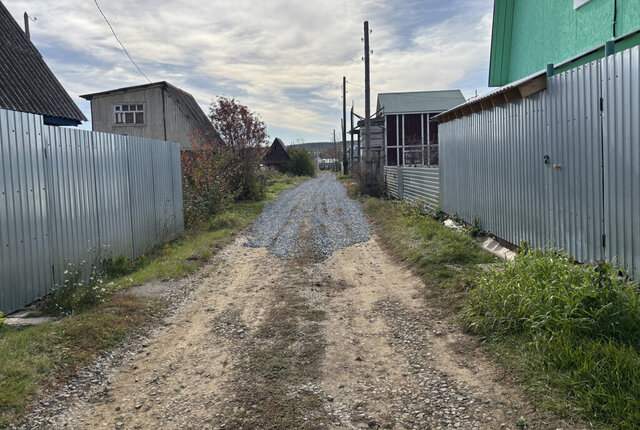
528,35
102,118
179,128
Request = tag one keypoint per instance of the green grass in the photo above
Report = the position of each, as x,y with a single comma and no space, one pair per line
35,357
446,260
571,332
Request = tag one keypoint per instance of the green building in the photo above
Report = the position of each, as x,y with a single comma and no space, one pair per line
529,34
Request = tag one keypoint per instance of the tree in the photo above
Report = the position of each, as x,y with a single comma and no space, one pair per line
245,134
301,163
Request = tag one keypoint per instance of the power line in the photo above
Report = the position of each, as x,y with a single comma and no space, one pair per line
116,36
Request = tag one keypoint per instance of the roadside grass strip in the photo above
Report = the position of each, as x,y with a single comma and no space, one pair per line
569,333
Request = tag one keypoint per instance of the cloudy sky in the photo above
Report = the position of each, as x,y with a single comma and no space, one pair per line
283,58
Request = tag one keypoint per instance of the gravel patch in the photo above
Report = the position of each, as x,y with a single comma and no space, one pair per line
320,205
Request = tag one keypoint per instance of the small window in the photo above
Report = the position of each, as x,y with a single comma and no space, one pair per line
128,114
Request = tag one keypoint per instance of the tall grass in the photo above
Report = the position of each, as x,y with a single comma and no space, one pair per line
573,330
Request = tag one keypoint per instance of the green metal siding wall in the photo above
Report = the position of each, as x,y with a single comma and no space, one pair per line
551,31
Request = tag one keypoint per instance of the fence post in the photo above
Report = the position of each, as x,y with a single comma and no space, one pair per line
400,183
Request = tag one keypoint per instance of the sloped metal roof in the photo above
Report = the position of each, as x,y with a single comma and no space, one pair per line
26,82
420,101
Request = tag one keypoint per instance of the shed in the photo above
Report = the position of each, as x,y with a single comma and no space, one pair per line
276,155
26,82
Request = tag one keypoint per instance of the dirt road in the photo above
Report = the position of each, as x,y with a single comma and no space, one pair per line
308,341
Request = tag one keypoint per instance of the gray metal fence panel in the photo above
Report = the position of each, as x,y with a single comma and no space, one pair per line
163,188
23,210
413,183
71,199
67,194
621,93
421,183
143,212
587,198
575,176
391,178
112,186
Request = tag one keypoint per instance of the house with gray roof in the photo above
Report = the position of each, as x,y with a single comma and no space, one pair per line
158,111
26,82
406,128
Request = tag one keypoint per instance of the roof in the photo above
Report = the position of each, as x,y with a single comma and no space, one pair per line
419,101
26,82
519,89
277,154
185,101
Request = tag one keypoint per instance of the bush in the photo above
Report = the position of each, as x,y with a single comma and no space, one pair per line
2,319
301,163
377,189
117,266
577,326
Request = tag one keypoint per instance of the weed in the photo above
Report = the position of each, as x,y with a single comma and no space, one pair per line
117,266
81,289
577,328
2,319
476,230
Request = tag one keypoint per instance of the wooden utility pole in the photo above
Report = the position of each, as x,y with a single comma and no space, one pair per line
367,108
335,151
345,161
351,153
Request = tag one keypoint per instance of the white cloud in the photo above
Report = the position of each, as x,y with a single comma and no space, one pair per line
284,59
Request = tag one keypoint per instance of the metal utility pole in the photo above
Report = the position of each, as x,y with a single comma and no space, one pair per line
335,151
345,161
351,153
367,107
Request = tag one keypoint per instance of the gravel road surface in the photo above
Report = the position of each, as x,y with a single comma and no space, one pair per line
315,217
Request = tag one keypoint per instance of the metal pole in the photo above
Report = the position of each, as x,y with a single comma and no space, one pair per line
345,160
26,25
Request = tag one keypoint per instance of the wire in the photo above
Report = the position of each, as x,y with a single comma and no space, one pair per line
116,36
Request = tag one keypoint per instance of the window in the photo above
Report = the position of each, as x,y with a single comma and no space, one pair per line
129,114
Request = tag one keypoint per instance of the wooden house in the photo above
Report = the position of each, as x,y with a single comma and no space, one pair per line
157,111
277,155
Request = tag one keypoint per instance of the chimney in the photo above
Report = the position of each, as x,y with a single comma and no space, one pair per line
26,25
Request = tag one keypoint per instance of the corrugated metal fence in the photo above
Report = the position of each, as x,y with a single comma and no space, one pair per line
68,196
413,183
560,168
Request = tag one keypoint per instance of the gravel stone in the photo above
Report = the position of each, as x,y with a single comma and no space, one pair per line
335,220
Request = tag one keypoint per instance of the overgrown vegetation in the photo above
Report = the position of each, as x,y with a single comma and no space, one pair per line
34,357
378,186
571,331
301,163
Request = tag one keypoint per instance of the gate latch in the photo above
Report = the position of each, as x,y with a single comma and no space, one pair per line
546,160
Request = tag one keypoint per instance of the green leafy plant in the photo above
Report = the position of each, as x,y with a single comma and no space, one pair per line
476,230
2,319
576,327
117,266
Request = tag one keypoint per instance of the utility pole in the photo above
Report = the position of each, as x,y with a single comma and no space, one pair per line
351,153
335,151
345,161
367,108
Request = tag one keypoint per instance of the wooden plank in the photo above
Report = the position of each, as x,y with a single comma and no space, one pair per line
533,86
512,95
